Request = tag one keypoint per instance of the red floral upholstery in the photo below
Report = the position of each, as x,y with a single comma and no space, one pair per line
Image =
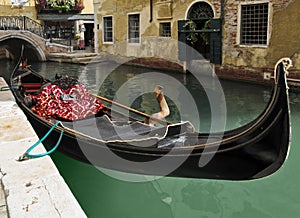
52,102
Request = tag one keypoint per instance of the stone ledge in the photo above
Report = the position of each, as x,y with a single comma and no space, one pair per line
33,188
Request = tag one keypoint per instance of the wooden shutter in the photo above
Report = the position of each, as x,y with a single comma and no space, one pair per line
216,41
182,41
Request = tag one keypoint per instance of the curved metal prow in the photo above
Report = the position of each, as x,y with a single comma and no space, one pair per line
287,63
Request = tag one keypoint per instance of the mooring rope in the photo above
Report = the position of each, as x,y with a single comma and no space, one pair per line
27,154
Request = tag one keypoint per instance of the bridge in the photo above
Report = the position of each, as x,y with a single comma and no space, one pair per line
16,31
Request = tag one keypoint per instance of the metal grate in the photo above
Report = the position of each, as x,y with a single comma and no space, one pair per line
165,29
200,10
254,24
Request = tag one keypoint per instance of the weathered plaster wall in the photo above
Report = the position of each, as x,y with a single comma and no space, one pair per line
246,62
286,34
28,11
88,7
6,9
8,2
282,30
151,44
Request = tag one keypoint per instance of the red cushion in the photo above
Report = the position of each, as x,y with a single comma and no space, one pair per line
50,104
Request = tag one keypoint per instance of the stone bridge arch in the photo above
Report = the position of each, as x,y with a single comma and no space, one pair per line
35,46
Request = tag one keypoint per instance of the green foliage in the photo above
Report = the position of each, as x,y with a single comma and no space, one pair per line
205,36
192,36
61,4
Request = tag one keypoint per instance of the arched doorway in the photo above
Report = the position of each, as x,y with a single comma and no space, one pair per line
200,14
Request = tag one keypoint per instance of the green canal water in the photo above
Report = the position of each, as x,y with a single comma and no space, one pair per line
106,197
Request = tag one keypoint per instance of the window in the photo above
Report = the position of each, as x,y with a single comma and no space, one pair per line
165,29
254,24
108,29
134,28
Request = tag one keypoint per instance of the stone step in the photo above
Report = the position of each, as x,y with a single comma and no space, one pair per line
78,57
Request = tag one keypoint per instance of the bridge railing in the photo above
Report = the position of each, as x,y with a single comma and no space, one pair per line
33,26
21,23
26,23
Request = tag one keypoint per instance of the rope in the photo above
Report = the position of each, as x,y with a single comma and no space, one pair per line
27,154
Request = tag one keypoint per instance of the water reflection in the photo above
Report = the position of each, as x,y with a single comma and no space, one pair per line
208,202
106,78
6,66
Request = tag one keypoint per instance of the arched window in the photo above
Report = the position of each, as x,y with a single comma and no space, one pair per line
204,33
200,10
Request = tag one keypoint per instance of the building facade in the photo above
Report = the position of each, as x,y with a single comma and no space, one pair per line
13,8
236,36
61,20
71,21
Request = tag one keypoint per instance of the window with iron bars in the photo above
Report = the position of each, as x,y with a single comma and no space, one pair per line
165,29
254,24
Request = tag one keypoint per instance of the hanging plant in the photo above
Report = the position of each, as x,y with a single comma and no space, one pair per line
61,4
205,36
192,36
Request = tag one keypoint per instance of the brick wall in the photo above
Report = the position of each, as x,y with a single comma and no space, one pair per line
235,54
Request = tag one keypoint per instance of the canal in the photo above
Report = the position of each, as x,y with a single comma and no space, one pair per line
101,195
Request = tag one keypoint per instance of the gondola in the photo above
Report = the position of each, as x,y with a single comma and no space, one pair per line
253,151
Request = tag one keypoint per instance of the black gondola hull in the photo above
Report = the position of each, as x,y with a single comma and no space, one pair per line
254,159
253,151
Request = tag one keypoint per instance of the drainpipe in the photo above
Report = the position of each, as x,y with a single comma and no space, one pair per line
223,5
151,11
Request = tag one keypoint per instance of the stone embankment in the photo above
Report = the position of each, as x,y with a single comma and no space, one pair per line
72,57
31,188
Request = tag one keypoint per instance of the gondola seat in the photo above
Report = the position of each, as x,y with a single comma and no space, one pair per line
31,88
